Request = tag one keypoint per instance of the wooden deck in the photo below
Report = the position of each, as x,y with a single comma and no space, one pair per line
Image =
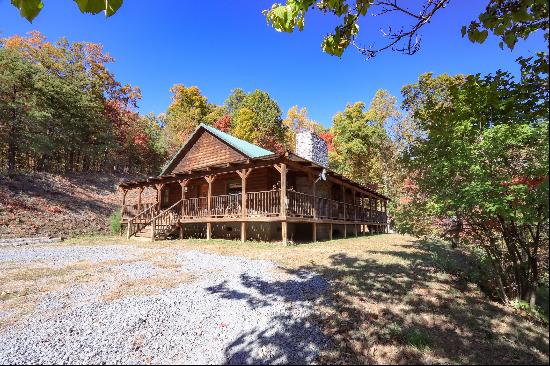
261,206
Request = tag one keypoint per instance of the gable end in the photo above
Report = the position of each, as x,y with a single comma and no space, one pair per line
202,150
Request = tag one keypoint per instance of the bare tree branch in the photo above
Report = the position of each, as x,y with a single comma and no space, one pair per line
410,37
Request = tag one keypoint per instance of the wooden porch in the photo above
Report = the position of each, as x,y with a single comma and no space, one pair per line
192,197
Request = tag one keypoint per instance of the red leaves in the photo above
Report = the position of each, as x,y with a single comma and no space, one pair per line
223,124
141,140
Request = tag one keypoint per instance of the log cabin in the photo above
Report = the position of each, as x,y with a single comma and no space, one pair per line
219,186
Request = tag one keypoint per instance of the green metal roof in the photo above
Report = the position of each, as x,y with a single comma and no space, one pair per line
250,150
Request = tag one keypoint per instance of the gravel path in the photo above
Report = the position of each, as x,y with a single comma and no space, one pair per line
234,311
58,257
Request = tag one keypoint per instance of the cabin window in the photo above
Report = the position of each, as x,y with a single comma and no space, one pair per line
234,187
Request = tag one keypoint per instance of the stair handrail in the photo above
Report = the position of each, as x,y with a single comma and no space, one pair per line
163,215
147,215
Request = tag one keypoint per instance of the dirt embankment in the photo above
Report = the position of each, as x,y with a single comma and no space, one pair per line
48,204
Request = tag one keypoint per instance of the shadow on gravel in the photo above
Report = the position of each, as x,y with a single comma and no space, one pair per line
408,310
293,338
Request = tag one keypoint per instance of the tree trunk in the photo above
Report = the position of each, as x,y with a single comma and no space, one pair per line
12,152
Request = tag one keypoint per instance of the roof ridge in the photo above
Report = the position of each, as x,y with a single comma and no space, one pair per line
247,148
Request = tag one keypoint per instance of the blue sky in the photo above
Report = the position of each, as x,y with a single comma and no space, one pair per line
220,45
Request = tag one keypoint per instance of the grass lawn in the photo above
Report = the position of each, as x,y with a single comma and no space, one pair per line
394,299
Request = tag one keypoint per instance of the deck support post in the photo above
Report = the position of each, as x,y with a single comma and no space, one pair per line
128,227
281,168
243,174
330,232
314,232
284,232
345,230
208,230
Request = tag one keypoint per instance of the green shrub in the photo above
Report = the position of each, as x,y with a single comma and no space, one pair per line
114,222
536,312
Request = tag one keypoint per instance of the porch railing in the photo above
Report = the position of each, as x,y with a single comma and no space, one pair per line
165,222
267,204
264,203
299,204
194,207
141,220
129,211
228,205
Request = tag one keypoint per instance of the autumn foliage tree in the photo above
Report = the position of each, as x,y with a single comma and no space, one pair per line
188,109
62,110
482,158
257,118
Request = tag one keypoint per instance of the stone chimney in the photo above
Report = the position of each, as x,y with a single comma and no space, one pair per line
311,147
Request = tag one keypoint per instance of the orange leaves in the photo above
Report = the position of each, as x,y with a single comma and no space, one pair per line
531,183
328,137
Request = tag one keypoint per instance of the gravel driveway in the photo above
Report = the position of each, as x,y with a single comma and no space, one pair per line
126,305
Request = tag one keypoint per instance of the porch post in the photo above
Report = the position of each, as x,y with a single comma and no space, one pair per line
330,232
314,194
209,180
361,213
282,210
243,174
344,201
386,228
139,198
159,187
372,210
183,185
354,208
124,193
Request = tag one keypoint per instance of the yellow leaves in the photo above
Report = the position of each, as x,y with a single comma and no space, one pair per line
244,125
